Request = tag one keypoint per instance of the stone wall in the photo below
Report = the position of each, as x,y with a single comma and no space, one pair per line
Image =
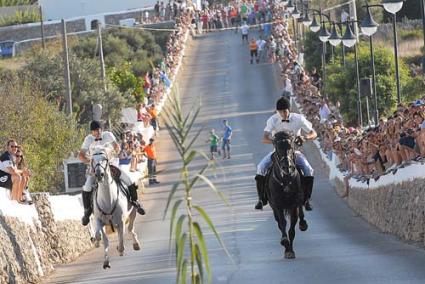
32,31
396,209
114,19
29,252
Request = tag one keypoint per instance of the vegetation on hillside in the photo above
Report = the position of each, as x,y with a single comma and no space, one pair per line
35,112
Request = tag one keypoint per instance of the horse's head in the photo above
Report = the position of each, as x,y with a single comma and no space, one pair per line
283,142
100,157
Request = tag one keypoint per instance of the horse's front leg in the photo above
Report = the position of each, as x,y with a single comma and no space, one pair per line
120,229
132,217
281,222
289,253
101,227
303,222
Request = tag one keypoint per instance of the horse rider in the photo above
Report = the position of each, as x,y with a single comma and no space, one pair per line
284,120
103,137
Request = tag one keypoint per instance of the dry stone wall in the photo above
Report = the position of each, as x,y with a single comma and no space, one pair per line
29,252
397,209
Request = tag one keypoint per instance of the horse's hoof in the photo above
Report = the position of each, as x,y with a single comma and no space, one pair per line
136,246
106,265
284,242
303,225
289,254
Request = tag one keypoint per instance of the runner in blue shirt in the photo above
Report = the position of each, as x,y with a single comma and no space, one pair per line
227,135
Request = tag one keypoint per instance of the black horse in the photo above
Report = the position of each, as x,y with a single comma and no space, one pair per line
284,190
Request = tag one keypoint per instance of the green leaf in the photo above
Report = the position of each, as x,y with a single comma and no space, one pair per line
212,186
196,178
170,197
192,121
173,216
194,138
180,245
212,227
179,226
203,248
190,157
184,272
198,258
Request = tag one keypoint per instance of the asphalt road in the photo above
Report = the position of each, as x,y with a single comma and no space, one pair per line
339,247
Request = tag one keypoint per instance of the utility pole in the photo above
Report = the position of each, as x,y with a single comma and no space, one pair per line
353,14
102,60
43,41
67,76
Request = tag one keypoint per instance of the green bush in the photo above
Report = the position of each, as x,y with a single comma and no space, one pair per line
8,3
47,135
45,71
20,17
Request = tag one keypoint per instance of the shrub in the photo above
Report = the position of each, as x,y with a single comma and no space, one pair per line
47,135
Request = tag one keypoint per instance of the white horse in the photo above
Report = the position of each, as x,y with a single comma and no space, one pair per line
110,205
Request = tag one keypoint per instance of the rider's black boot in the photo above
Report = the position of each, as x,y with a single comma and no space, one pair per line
308,189
88,208
132,189
262,200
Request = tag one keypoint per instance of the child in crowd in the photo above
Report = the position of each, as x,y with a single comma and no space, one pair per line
213,140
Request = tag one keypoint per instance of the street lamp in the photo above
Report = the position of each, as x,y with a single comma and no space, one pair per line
349,40
295,13
391,6
307,21
335,38
324,33
290,7
314,26
369,27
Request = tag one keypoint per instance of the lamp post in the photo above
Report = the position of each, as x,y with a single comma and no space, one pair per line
369,27
349,40
422,3
392,7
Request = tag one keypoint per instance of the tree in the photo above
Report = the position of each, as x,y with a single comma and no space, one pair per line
341,86
47,135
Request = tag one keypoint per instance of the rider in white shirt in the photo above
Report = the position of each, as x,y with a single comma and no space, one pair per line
100,137
284,120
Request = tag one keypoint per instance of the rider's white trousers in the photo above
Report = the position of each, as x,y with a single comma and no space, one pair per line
300,161
90,179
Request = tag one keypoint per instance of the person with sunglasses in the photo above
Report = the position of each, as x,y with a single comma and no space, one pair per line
10,177
26,174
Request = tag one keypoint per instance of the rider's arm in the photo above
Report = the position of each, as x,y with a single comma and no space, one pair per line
82,156
266,138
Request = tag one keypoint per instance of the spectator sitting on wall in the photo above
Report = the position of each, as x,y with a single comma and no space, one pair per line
10,177
26,174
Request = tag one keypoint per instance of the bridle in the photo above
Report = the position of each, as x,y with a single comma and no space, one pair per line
118,190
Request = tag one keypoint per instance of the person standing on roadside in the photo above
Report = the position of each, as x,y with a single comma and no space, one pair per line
253,49
150,151
227,135
245,31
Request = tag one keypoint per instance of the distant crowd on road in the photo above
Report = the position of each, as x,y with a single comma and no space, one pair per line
364,154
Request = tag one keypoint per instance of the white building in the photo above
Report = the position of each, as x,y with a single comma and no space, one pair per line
66,9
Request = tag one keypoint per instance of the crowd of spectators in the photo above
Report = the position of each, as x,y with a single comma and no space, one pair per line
135,148
361,153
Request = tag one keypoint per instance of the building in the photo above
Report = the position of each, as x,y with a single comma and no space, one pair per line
67,9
